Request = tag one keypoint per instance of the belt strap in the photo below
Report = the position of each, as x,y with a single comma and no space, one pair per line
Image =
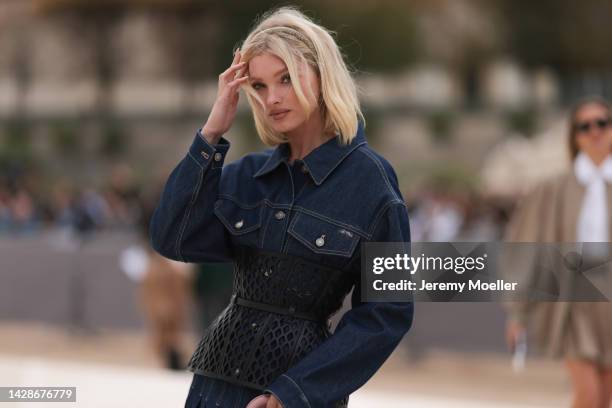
287,311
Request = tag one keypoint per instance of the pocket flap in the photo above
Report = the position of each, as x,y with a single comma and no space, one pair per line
323,237
238,219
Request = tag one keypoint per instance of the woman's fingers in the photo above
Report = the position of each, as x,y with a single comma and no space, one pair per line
235,84
236,64
239,81
273,403
231,70
224,108
240,72
231,90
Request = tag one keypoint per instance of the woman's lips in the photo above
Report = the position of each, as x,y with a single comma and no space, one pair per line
279,115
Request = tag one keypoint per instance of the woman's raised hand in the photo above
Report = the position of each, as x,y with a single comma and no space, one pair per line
224,109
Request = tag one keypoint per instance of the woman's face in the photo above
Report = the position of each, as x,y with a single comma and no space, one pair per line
593,130
269,77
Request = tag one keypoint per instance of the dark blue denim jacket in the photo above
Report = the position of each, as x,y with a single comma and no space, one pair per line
350,196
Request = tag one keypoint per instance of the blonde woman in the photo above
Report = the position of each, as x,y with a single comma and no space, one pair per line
292,220
575,207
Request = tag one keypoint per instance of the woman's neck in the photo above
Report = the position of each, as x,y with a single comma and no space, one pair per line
597,158
307,137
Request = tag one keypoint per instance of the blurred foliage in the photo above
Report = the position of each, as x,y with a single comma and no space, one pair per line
567,35
15,147
358,32
440,124
65,137
522,121
114,139
97,5
379,36
365,31
16,141
374,122
452,178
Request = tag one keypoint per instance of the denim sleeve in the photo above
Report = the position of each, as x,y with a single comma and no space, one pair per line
183,226
363,340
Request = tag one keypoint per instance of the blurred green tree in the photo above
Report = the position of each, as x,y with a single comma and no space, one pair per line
15,146
65,137
567,35
377,35
114,140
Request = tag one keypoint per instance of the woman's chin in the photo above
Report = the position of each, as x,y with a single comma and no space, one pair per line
283,127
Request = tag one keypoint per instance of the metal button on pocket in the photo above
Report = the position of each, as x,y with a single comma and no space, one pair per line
239,224
291,309
237,371
320,241
218,156
279,215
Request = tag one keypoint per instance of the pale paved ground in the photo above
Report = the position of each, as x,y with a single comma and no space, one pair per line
118,369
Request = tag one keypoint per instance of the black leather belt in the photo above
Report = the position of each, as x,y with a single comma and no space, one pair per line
288,311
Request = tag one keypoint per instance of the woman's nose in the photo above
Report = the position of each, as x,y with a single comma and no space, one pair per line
595,131
274,97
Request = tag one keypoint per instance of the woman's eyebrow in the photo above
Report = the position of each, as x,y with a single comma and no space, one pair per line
279,72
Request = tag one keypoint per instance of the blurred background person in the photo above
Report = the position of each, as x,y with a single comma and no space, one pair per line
164,292
575,207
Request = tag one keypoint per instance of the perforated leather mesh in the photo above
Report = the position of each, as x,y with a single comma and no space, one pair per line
253,347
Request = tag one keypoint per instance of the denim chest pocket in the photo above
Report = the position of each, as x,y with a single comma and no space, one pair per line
322,236
242,221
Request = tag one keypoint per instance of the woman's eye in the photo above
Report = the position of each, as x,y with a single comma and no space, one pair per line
257,86
286,79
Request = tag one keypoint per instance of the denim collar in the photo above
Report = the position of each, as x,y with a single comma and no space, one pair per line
321,161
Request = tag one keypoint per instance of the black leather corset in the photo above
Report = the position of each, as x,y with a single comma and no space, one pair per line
278,314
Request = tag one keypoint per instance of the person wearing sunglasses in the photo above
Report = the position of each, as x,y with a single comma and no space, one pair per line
574,207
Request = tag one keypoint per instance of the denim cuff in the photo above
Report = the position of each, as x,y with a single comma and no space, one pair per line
205,153
288,393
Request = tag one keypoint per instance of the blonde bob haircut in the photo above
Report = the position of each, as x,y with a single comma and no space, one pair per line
294,38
